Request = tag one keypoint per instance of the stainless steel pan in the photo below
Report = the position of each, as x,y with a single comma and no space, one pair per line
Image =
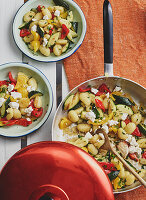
137,91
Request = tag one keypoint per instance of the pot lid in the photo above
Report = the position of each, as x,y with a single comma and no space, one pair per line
54,171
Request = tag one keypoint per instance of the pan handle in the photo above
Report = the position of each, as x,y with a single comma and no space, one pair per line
108,38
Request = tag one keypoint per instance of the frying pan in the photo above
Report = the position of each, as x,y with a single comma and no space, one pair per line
137,91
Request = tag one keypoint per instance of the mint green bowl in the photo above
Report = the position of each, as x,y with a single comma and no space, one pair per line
78,16
43,86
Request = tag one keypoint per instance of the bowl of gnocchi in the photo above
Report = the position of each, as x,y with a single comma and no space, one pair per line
49,30
26,99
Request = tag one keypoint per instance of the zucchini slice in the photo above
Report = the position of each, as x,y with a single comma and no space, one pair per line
24,25
75,101
5,107
67,102
53,39
33,94
61,3
78,105
124,109
74,27
70,16
112,175
95,110
142,128
122,100
65,48
40,31
112,107
3,92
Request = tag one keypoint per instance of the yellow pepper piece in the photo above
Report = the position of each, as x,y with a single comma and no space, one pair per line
23,91
35,45
116,182
36,36
113,129
64,123
111,96
51,22
85,149
64,15
7,96
12,99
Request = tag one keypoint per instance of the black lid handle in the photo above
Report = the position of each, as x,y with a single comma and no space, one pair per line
108,32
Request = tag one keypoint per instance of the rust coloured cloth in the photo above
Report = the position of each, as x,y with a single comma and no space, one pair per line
129,44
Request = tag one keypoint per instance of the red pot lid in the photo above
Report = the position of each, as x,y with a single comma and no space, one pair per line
54,171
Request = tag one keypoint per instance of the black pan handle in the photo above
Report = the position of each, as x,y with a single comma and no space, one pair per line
108,32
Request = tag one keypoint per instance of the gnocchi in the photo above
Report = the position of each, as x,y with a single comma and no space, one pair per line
23,105
53,24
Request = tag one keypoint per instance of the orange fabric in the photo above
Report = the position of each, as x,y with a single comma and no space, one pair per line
129,21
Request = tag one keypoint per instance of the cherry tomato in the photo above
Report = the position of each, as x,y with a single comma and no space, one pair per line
37,112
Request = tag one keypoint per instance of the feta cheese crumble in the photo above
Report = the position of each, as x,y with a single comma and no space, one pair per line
108,95
14,105
90,115
105,128
16,95
45,41
124,116
10,87
29,88
112,122
1,101
88,136
28,119
46,17
117,89
34,28
57,13
94,91
34,20
28,111
134,146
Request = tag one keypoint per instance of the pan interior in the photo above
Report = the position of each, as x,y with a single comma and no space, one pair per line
137,92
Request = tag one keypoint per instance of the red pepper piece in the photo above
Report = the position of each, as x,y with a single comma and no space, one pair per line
108,166
53,16
12,80
100,104
127,121
11,122
137,132
51,31
39,8
144,155
84,89
64,31
133,156
24,32
37,112
23,122
5,82
99,93
104,88
31,103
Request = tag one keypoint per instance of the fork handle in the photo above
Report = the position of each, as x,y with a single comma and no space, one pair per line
129,168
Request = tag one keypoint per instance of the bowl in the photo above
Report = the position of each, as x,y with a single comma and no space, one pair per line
43,86
78,16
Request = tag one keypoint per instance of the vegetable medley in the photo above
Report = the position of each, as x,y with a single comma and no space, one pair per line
20,102
49,29
89,112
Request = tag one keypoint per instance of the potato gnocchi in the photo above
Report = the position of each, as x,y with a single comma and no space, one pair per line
49,30
20,102
90,111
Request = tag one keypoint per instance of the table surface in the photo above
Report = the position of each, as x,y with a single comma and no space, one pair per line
10,53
